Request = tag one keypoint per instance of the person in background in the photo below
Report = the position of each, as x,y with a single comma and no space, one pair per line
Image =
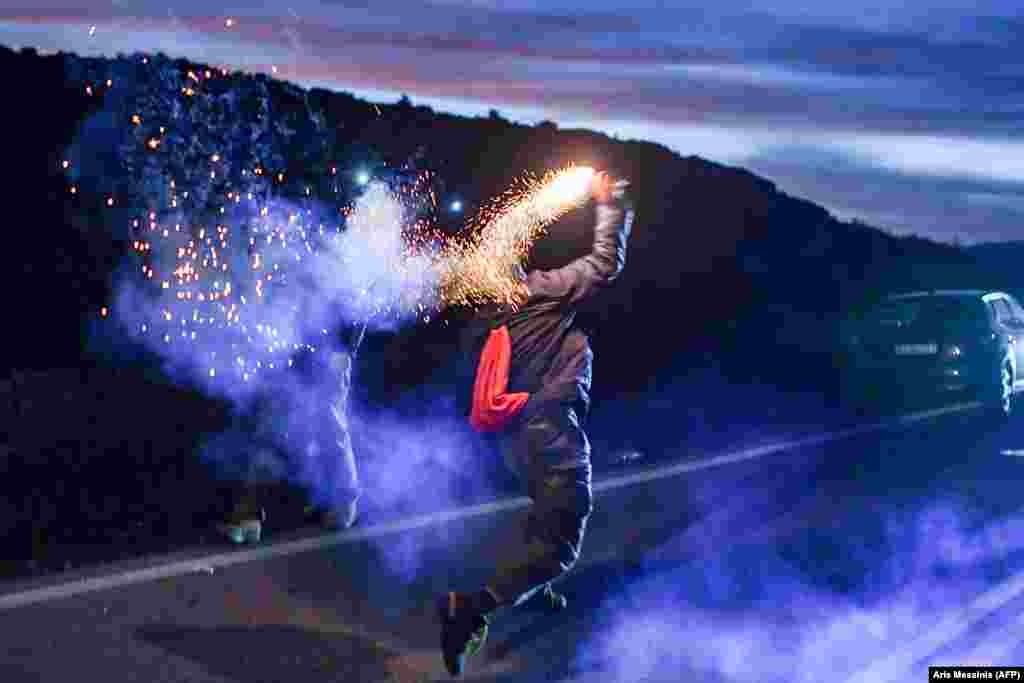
336,506
321,438
531,387
321,435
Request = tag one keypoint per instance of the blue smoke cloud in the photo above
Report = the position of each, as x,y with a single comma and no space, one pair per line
249,293
234,334
418,465
744,609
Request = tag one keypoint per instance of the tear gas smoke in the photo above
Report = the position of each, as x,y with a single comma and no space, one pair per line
231,316
416,465
742,608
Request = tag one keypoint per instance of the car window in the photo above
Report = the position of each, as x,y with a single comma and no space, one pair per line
928,311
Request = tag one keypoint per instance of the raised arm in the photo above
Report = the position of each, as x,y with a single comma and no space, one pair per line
575,282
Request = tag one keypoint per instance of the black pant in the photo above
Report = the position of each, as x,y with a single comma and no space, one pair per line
549,450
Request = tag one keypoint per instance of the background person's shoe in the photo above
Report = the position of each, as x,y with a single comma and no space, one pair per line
244,525
463,631
247,531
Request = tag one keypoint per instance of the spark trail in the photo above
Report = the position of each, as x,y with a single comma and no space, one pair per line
482,267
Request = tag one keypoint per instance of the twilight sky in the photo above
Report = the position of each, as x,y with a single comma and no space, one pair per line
909,118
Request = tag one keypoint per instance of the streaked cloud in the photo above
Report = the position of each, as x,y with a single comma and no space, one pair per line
929,94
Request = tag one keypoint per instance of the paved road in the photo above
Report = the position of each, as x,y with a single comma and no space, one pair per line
864,558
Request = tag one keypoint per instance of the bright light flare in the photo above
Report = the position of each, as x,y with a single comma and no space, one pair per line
565,188
486,268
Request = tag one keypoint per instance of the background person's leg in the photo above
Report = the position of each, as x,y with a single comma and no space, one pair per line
250,467
250,494
345,488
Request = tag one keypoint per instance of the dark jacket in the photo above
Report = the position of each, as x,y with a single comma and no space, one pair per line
551,357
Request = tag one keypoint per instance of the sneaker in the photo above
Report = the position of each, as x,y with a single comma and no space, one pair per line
244,525
463,632
241,532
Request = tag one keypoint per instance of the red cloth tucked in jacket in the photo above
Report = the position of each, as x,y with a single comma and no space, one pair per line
492,407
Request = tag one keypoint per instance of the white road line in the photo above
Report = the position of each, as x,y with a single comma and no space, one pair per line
213,562
898,667
997,648
759,451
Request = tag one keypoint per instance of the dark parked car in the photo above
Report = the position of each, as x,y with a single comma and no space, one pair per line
938,344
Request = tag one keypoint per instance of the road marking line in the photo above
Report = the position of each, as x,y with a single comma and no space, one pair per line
897,667
758,451
996,649
214,562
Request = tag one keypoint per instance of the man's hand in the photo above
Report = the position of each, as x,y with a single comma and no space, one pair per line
601,186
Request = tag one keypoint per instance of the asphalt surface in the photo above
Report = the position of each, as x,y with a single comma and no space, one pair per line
860,556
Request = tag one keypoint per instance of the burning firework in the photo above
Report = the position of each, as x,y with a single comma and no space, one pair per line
482,269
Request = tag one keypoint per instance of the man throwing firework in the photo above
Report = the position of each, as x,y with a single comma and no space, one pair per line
532,388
